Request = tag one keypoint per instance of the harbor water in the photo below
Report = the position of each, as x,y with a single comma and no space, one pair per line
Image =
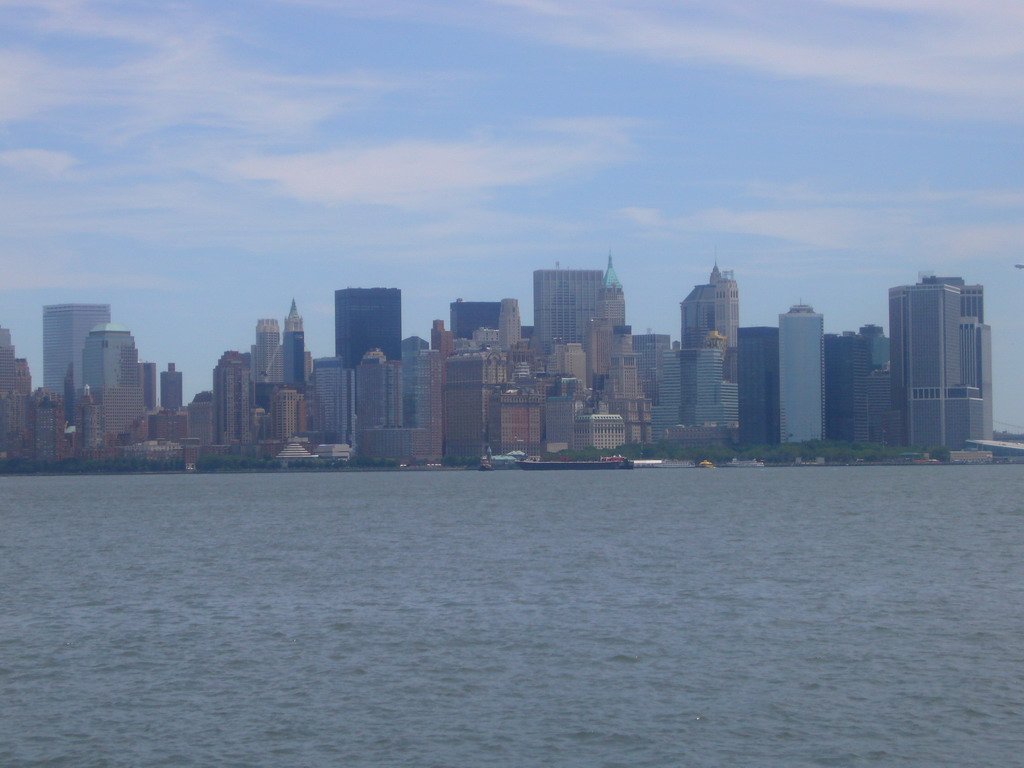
810,616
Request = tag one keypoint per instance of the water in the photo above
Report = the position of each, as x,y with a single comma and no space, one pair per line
786,617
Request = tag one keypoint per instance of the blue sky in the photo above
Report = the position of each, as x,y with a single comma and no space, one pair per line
198,165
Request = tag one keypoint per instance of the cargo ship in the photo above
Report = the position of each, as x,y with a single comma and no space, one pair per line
606,462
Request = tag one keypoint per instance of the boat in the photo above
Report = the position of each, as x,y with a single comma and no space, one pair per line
662,464
606,462
744,463
705,465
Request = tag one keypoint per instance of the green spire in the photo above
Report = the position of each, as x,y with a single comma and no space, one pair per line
611,280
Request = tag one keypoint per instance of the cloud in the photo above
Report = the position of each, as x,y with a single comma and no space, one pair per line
37,161
167,68
417,174
958,59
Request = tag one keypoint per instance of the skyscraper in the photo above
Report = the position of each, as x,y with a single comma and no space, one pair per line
714,306
294,348
170,388
509,324
6,362
232,400
335,389
110,367
65,327
847,364
469,316
147,380
650,349
266,352
564,302
365,319
941,362
801,374
759,385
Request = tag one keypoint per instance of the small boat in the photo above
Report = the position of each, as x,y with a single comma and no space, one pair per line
705,465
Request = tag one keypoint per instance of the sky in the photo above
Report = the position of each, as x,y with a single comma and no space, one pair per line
197,165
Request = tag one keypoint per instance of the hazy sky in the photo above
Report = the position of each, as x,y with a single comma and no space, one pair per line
199,164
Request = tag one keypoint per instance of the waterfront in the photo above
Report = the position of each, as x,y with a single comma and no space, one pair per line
826,616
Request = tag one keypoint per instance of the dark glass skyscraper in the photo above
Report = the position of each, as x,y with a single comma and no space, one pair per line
365,319
759,385
468,316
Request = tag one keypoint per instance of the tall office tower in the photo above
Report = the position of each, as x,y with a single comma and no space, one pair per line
470,379
510,326
564,303
232,400
65,328
378,392
611,301
801,374
422,393
200,418
468,316
941,371
847,366
294,348
759,385
170,388
287,414
266,352
147,379
610,315
334,387
713,307
7,376
666,413
650,349
110,367
365,319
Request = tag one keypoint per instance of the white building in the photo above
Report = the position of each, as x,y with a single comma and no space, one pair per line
801,375
599,430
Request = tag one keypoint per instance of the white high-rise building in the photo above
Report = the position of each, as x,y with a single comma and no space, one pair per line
801,375
510,327
65,328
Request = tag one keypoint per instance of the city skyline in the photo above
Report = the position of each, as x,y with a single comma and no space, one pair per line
197,169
